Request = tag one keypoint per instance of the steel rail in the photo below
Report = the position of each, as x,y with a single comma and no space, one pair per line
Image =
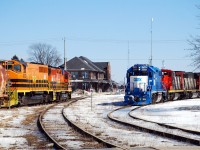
82,131
76,127
43,130
164,125
153,131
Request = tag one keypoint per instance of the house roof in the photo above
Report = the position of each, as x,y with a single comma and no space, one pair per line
82,63
89,62
101,65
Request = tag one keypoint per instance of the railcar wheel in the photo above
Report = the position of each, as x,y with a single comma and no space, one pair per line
48,99
69,95
171,96
190,95
154,98
42,100
58,99
19,101
24,100
198,95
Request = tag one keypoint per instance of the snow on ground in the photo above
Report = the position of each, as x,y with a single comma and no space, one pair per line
122,114
18,128
91,114
184,114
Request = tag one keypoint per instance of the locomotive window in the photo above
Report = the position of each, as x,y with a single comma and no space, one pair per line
10,63
136,73
17,68
9,67
144,72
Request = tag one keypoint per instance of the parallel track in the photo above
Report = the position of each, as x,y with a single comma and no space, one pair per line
162,124
143,128
84,136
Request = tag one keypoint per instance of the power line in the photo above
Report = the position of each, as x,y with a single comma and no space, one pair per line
125,59
92,40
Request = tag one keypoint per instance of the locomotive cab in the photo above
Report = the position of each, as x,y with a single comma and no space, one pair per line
144,85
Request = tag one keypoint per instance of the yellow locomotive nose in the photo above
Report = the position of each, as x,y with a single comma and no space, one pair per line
3,79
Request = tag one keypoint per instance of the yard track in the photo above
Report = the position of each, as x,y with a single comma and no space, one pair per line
164,125
62,133
174,133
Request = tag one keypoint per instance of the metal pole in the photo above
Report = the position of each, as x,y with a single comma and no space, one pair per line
151,63
163,64
128,56
65,67
91,99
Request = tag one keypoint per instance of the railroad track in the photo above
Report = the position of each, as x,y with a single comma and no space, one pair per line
158,129
63,133
162,124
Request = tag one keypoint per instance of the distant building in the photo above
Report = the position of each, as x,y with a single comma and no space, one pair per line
87,75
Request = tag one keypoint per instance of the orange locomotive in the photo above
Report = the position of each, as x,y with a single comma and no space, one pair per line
30,83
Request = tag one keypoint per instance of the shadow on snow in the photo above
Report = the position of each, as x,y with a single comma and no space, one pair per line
120,103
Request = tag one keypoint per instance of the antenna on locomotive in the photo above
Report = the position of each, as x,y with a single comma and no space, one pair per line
128,56
163,64
65,59
151,63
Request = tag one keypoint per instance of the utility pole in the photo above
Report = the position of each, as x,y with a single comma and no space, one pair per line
163,64
65,66
151,63
128,56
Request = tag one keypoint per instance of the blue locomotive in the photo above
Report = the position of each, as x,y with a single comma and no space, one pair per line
144,85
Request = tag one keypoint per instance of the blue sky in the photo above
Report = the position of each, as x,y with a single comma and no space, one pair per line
101,29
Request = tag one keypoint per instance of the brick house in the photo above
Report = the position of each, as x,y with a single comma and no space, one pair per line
87,75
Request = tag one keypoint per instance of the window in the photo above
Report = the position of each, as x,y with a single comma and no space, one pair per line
140,70
17,68
101,76
93,75
9,67
85,75
74,75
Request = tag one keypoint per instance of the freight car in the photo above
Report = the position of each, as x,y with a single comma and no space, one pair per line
180,84
148,85
31,83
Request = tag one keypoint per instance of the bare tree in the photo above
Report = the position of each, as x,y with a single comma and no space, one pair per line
194,42
45,54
